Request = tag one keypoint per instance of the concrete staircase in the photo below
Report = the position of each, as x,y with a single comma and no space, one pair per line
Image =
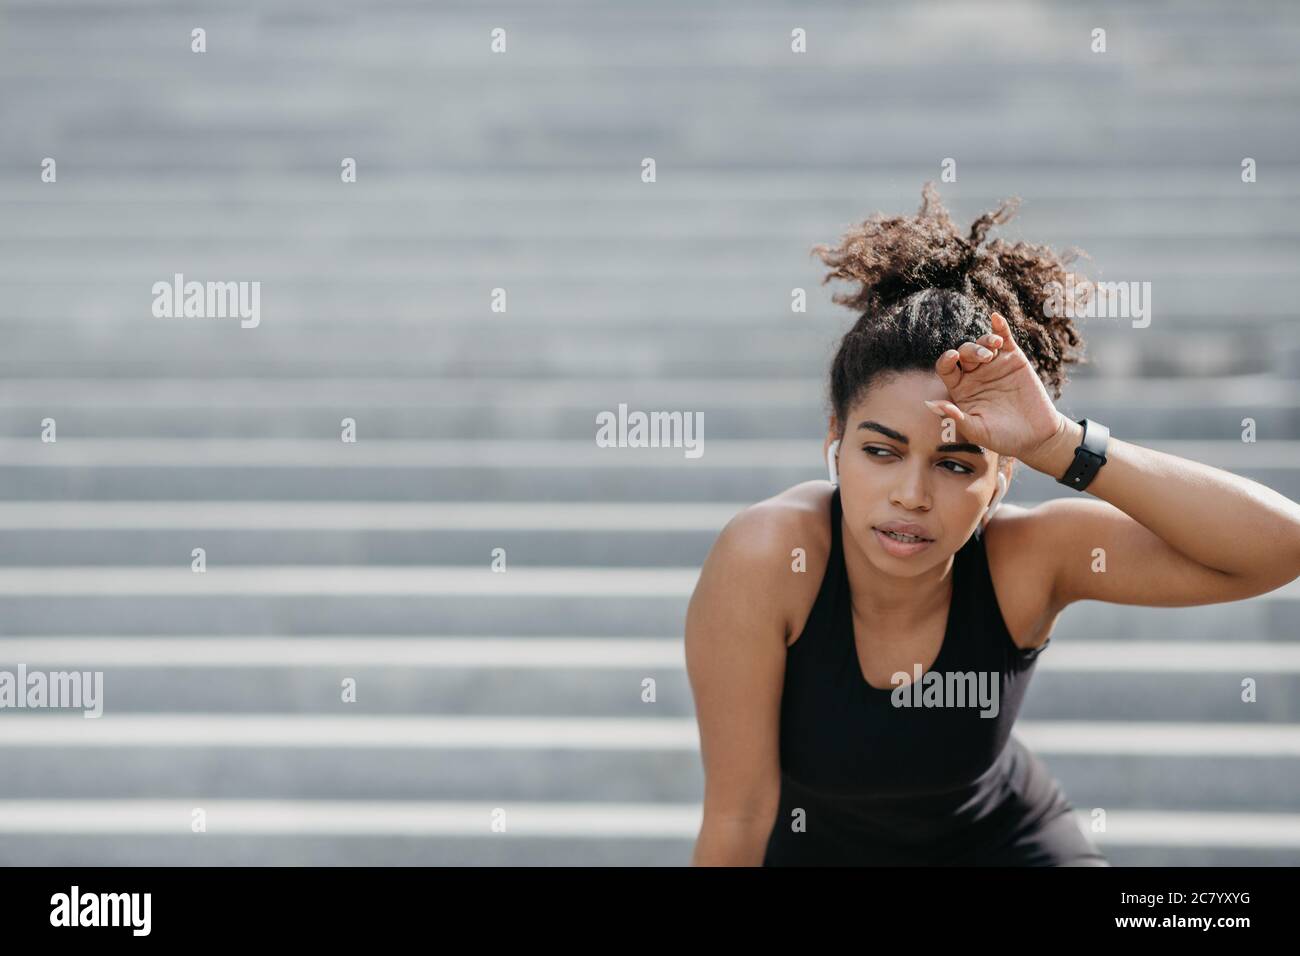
371,561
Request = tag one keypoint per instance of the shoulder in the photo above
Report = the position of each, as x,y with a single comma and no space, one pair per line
795,516
768,553
1027,541
1015,542
1012,524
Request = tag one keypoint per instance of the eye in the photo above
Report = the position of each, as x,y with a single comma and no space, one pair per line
959,470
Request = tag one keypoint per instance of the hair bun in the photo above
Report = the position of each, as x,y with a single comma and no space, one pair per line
892,258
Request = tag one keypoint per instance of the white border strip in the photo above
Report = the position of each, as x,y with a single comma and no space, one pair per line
1108,738
533,653
289,818
350,818
331,579
508,453
18,729
1263,831
366,515
581,653
151,394
441,580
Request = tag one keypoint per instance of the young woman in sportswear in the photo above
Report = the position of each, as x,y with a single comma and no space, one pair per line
858,647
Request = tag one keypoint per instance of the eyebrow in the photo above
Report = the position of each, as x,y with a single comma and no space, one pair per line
899,436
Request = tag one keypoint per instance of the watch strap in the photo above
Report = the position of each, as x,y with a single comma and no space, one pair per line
1088,457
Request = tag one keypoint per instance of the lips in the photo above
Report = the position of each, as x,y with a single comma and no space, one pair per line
904,527
899,548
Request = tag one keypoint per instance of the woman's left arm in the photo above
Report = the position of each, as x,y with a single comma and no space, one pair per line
1173,531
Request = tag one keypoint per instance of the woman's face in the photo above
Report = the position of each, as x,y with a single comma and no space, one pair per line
896,464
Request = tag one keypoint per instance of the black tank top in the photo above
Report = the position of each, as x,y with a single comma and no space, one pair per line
881,784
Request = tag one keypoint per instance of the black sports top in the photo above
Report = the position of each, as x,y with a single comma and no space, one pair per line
880,784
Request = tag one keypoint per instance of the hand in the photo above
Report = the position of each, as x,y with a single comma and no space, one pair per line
998,399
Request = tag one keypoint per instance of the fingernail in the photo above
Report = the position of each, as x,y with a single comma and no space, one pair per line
982,352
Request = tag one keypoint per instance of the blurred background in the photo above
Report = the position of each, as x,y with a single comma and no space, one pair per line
553,696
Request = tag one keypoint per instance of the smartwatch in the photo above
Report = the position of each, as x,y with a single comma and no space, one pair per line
1088,457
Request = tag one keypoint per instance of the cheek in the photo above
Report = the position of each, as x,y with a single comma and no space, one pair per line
973,503
865,475
961,506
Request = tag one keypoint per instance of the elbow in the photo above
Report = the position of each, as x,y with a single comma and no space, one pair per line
733,840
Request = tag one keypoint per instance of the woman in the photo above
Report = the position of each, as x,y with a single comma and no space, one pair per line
858,648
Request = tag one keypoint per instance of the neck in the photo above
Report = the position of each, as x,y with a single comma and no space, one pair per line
887,598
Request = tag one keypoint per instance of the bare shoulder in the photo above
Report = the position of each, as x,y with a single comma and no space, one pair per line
797,516
802,507
769,554
1014,541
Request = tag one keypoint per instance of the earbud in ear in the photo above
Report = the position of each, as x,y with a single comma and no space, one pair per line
997,498
830,462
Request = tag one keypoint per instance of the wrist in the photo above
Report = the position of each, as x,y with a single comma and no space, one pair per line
1054,455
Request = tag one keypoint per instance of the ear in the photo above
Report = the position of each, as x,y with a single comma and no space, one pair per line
1005,470
832,433
1007,465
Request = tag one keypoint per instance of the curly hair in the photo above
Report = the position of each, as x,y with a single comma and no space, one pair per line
925,289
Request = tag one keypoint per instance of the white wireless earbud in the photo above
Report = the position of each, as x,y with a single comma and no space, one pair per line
997,499
830,462
993,505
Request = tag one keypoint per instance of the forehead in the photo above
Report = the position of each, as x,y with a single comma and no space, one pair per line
896,393
893,408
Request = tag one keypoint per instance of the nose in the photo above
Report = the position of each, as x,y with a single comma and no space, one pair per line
912,490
